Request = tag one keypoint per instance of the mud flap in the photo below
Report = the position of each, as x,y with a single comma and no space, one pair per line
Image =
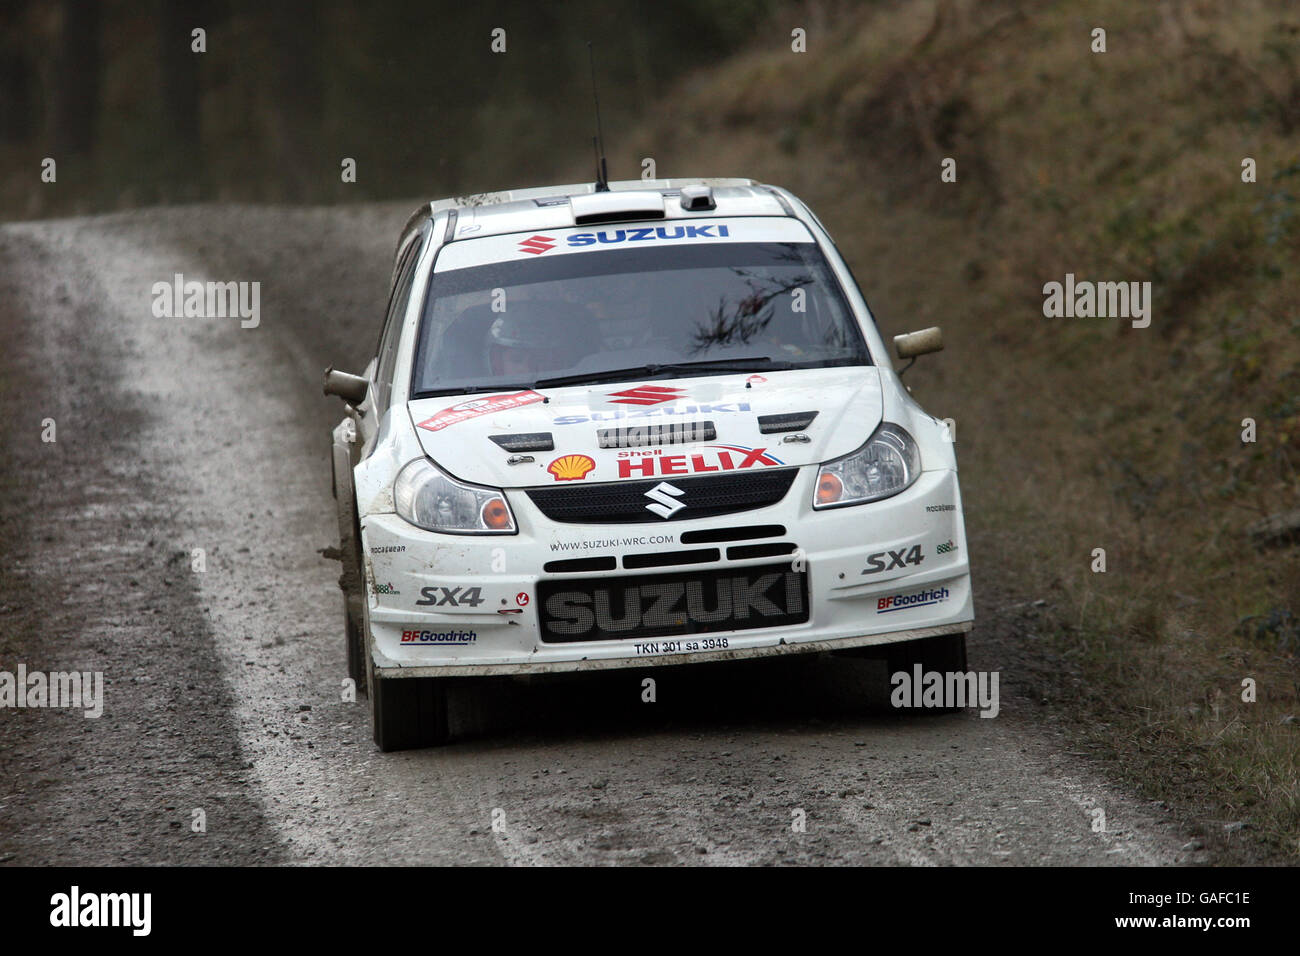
409,712
945,653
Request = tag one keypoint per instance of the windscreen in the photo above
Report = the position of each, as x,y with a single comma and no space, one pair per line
610,310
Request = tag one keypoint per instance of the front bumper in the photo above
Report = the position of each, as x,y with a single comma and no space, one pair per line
449,605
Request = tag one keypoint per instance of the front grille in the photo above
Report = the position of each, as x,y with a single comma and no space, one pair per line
710,535
668,559
644,606
579,565
746,551
623,502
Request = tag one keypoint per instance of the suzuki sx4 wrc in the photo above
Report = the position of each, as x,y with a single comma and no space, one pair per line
642,425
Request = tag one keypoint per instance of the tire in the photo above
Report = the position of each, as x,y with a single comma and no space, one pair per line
358,661
351,581
409,712
945,653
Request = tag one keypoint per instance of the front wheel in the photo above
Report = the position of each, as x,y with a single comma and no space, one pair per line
351,579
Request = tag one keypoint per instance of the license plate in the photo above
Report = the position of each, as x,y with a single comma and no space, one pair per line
694,602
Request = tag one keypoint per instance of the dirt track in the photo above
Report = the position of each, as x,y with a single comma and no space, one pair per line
223,687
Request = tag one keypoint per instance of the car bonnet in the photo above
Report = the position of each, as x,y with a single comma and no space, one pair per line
687,426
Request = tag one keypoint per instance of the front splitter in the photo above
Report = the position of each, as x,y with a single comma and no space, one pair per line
390,668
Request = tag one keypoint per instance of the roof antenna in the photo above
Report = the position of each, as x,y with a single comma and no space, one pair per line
598,141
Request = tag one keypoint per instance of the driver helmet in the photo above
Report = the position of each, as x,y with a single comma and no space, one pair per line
535,337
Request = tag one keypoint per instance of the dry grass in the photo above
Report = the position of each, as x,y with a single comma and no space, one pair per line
1076,434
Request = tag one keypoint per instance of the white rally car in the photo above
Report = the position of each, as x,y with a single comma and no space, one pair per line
648,424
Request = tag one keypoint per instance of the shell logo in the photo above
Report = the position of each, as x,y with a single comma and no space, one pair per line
571,467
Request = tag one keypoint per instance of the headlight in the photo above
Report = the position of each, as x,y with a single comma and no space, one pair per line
430,499
888,463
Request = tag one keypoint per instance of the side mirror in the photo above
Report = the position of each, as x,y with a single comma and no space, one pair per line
351,388
919,343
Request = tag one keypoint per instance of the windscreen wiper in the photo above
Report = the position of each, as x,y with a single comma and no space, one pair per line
466,390
757,364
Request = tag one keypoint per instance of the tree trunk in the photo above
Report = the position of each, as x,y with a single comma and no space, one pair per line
76,100
180,74
298,97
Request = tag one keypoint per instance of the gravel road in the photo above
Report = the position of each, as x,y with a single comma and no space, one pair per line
223,686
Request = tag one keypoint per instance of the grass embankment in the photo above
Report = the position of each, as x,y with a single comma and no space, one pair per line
1075,433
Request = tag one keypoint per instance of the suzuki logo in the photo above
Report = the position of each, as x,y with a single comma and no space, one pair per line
665,496
646,395
537,245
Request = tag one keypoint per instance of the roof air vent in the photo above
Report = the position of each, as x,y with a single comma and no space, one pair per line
616,206
697,198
